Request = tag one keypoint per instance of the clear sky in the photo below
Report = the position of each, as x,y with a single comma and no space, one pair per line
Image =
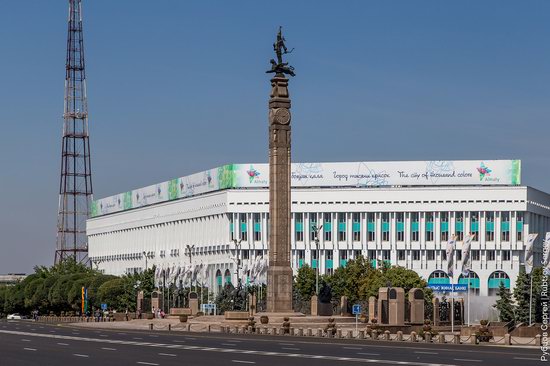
176,87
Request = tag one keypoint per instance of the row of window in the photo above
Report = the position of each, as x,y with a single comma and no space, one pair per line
490,255
413,229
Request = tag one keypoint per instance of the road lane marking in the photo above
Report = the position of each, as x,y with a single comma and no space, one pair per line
368,354
63,344
168,354
138,338
80,355
466,360
352,348
152,335
191,339
121,333
178,341
103,335
147,363
29,349
241,361
226,350
427,353
290,348
526,358
25,340
108,349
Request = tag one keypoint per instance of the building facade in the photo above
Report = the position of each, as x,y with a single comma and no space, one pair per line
407,226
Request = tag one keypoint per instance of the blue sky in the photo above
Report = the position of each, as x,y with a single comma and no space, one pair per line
177,87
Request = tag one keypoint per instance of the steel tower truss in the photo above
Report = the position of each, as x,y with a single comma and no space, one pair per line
75,188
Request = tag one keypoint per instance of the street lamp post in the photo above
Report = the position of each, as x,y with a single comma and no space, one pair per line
317,229
238,254
190,254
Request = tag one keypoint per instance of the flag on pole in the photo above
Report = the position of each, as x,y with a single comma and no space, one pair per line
450,255
529,252
466,259
546,251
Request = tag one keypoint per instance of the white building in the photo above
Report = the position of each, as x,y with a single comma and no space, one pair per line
401,212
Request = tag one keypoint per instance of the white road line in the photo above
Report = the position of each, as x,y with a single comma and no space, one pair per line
526,358
427,353
290,348
137,338
147,363
466,360
29,349
79,355
226,350
190,339
108,349
168,354
241,361
351,347
63,344
25,340
178,341
368,354
103,335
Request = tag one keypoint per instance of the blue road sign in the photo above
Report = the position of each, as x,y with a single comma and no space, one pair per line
356,310
449,287
103,306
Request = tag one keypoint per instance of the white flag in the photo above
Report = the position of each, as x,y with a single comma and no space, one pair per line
466,259
546,251
529,252
450,255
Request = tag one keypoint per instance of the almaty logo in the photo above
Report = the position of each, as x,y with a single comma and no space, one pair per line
483,171
252,174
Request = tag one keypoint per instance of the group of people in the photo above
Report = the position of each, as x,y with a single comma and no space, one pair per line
158,313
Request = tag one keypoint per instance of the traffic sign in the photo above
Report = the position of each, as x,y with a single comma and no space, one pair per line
356,310
103,306
449,287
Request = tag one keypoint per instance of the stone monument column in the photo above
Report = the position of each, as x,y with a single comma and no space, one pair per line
279,273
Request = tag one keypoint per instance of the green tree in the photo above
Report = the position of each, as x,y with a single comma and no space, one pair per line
304,283
537,274
347,280
504,304
521,295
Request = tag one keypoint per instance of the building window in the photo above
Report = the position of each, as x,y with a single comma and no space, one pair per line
356,226
257,227
430,255
245,254
231,228
429,226
443,255
386,255
458,255
505,255
400,226
489,226
490,255
343,257
341,226
401,255
459,226
414,226
519,226
356,254
474,225
312,226
327,226
243,226
505,226
372,254
299,226
385,226
371,226
416,255
444,223
475,255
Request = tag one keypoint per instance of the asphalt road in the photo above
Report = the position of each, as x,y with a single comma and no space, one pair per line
30,343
